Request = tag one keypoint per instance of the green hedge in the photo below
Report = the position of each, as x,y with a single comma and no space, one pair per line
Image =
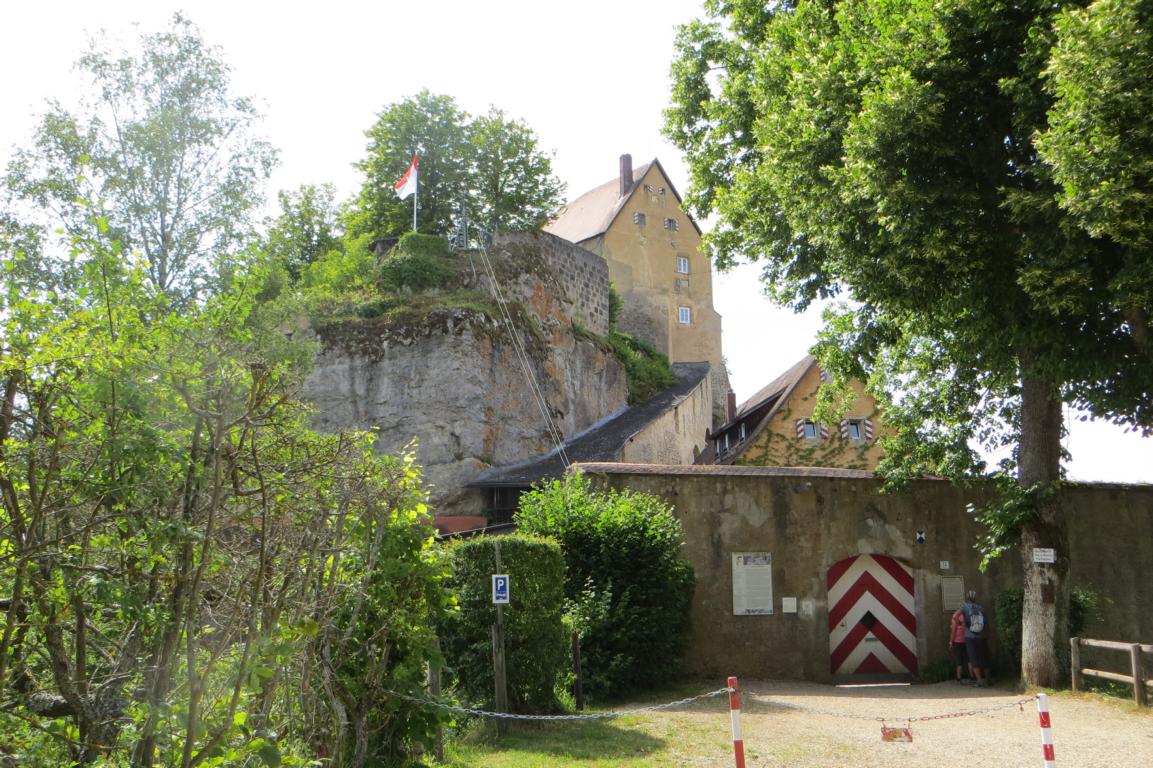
628,587
536,644
418,263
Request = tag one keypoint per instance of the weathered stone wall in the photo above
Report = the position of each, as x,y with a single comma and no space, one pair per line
580,279
810,519
677,435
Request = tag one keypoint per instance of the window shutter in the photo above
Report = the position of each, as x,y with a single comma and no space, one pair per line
845,429
801,428
868,429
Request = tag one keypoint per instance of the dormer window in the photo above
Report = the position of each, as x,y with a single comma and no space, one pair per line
671,225
639,219
743,431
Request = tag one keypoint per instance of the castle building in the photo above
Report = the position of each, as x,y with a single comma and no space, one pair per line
637,224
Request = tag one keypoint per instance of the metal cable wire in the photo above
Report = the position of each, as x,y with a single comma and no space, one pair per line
1019,704
592,716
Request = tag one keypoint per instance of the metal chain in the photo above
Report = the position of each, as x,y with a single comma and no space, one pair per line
592,716
1020,704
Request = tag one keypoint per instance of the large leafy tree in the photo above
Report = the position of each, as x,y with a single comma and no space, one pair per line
512,183
160,148
487,169
1099,140
885,152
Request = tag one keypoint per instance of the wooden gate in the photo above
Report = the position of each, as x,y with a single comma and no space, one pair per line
872,624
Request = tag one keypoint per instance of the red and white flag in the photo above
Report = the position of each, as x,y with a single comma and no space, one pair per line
407,184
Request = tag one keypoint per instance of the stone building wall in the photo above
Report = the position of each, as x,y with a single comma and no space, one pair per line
809,519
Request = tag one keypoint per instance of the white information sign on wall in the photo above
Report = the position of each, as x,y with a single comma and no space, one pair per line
752,583
952,593
1044,555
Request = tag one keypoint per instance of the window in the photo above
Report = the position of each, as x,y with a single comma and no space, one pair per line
857,430
743,431
682,265
639,219
809,429
672,225
725,443
684,315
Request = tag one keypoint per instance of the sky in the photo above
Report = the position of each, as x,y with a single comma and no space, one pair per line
591,78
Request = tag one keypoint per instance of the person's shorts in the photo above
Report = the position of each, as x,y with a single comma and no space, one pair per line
960,654
978,650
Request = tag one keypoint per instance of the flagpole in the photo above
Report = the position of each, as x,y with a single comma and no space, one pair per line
415,202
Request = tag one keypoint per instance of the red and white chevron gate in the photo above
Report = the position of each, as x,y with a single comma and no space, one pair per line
872,624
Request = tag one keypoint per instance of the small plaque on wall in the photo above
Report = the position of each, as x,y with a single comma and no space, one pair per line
788,605
752,583
952,592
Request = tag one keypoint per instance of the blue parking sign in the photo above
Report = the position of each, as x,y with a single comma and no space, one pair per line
500,589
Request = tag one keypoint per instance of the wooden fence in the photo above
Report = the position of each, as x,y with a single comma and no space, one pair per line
1141,686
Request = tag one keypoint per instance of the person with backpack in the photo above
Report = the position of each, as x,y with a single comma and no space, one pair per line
976,644
957,647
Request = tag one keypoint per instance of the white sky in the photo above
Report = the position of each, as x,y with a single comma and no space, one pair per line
590,77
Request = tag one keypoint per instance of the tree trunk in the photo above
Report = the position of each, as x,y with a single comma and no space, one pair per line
1045,590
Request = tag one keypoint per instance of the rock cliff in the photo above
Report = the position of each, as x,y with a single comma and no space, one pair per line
456,379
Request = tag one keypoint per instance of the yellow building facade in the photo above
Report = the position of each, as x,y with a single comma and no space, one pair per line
652,248
776,427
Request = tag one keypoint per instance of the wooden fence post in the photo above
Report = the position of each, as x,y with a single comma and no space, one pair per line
434,692
578,684
1138,678
1075,662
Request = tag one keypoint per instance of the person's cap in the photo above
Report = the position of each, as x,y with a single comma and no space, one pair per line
971,594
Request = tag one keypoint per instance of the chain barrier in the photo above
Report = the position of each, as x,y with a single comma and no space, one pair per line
1019,704
592,716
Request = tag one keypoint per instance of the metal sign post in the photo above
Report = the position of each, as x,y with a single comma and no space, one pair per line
500,595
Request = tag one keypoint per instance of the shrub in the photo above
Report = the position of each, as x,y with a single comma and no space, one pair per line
536,648
628,588
1084,608
647,370
418,263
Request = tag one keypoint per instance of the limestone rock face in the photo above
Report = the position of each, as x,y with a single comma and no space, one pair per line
456,382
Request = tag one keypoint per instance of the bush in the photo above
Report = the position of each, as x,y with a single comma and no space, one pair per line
628,589
536,646
1084,608
647,370
418,263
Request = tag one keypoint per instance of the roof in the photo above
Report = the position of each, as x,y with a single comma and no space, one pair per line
594,212
768,400
604,441
713,470
777,387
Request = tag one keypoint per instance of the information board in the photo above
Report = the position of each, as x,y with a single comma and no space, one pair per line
752,583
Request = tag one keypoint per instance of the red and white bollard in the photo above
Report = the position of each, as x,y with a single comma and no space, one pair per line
1046,730
735,711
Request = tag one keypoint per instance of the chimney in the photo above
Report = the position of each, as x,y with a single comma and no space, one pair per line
626,174
731,406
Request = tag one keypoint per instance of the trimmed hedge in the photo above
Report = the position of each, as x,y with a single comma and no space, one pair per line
629,588
536,646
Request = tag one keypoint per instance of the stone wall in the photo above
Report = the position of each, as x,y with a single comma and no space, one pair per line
678,435
809,519
580,278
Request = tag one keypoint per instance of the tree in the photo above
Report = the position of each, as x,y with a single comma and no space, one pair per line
306,228
161,149
488,168
513,187
886,152
1098,139
434,127
180,554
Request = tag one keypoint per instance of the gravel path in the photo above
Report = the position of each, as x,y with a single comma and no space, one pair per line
785,724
